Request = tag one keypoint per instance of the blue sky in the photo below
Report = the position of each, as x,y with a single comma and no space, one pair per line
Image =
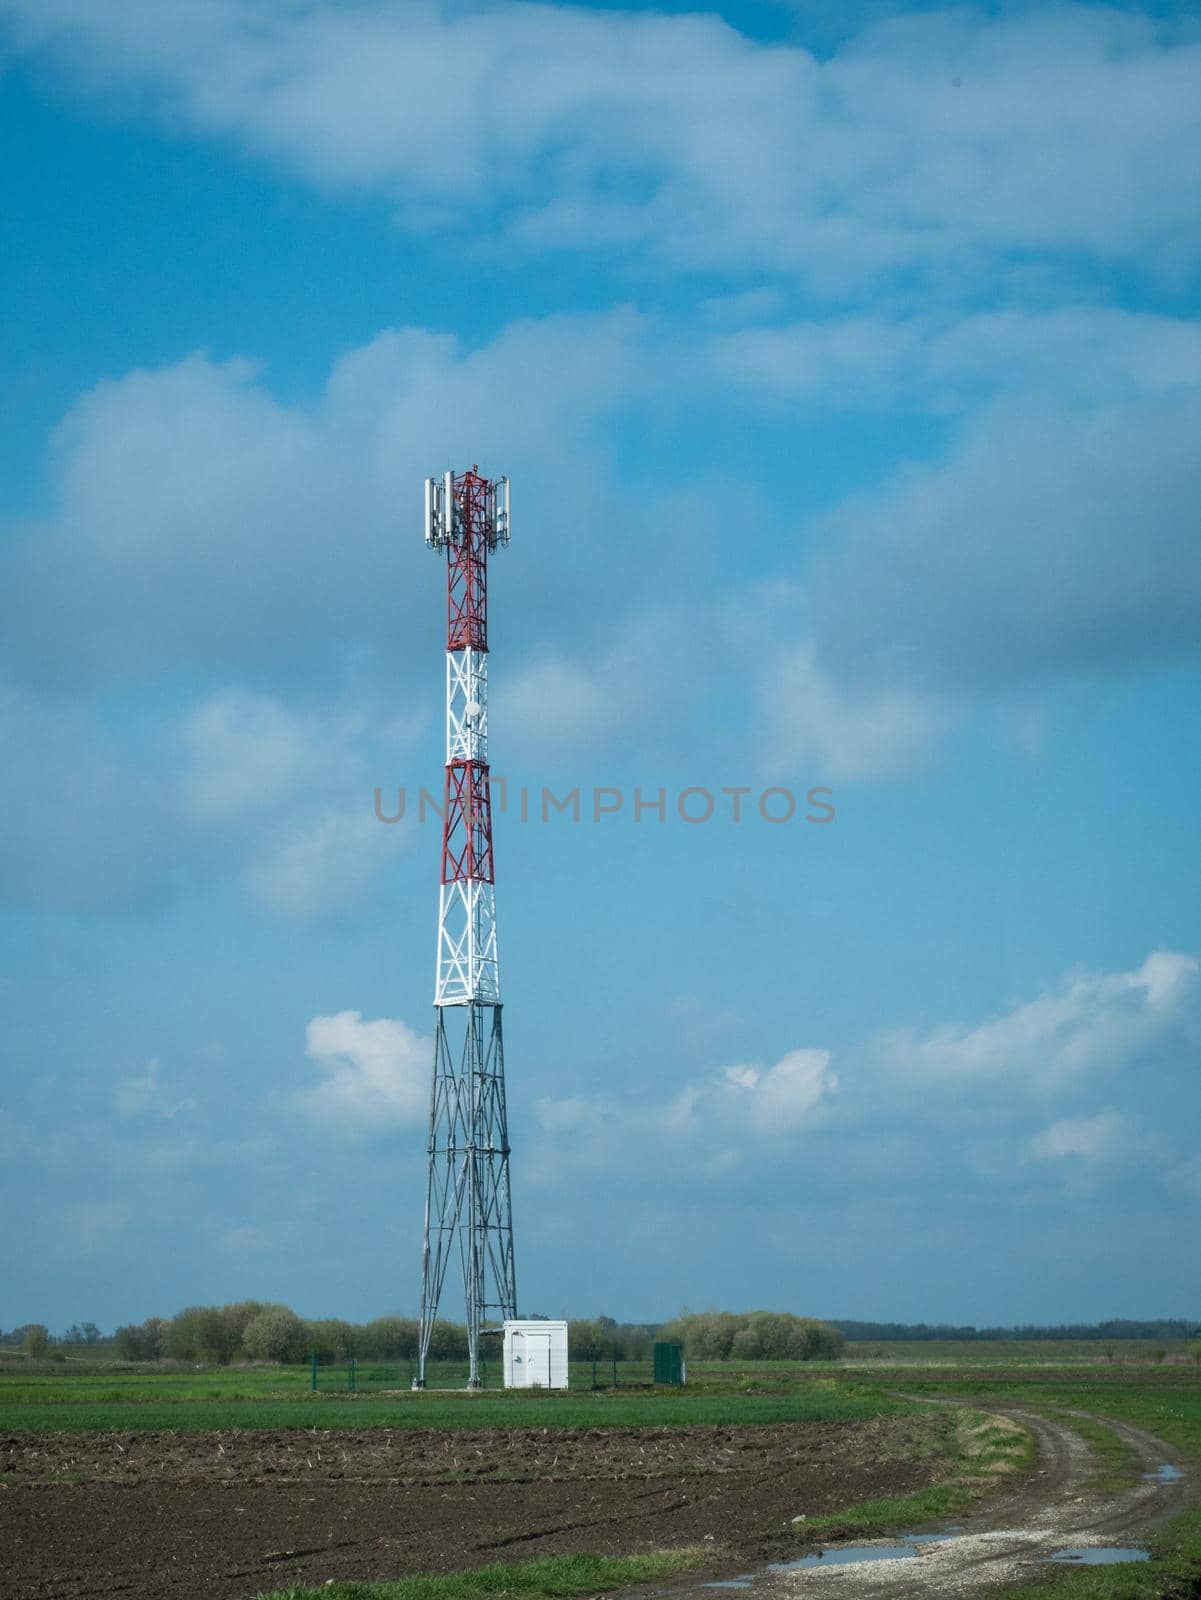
847,365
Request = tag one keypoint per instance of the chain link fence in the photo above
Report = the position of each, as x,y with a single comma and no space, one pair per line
355,1375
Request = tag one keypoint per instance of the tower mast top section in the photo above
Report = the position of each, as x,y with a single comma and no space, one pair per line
466,516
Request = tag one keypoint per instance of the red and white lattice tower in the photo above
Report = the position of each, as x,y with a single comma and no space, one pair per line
467,1196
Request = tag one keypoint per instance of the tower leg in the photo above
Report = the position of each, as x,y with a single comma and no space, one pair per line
467,1187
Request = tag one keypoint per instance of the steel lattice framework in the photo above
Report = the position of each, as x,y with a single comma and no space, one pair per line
467,1194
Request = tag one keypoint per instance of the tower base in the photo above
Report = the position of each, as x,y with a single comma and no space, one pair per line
467,1187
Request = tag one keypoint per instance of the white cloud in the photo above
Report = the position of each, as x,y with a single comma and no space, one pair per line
927,140
1089,1138
101,815
844,731
297,780
320,864
198,521
556,700
1089,1022
559,703
1048,546
248,751
374,1074
783,1098
940,360
173,544
743,1100
147,1095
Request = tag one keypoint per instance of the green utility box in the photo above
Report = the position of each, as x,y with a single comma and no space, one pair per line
669,1363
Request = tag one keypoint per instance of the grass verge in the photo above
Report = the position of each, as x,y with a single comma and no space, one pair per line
982,1448
549,1578
1118,1465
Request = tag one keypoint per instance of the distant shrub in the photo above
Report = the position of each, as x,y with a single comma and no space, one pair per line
755,1336
275,1333
389,1339
143,1341
333,1340
448,1342
37,1340
212,1334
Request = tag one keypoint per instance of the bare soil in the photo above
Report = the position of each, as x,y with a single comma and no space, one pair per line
225,1515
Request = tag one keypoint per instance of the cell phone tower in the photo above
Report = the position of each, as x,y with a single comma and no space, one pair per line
467,1193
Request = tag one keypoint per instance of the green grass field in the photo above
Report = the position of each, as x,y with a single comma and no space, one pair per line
56,1410
1019,1352
115,1397
110,1396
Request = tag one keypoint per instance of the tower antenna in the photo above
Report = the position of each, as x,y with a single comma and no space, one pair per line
467,1185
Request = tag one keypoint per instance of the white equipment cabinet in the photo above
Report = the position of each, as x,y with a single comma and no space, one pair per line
535,1355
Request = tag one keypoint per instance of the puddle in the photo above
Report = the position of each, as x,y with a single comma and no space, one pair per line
842,1555
1164,1474
1101,1555
838,1555
851,1555
847,1555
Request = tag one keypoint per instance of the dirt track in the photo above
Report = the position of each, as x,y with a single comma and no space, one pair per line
166,1516
1011,1537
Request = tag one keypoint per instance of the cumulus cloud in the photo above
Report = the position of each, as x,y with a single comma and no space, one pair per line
956,1099
1051,543
561,703
249,751
1090,1021
743,1101
945,359
926,140
1009,564
782,1098
200,522
272,796
321,864
373,1073
288,789
845,730
1088,1138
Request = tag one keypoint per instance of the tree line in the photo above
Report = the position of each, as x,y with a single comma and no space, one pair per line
35,1337
1118,1328
254,1330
